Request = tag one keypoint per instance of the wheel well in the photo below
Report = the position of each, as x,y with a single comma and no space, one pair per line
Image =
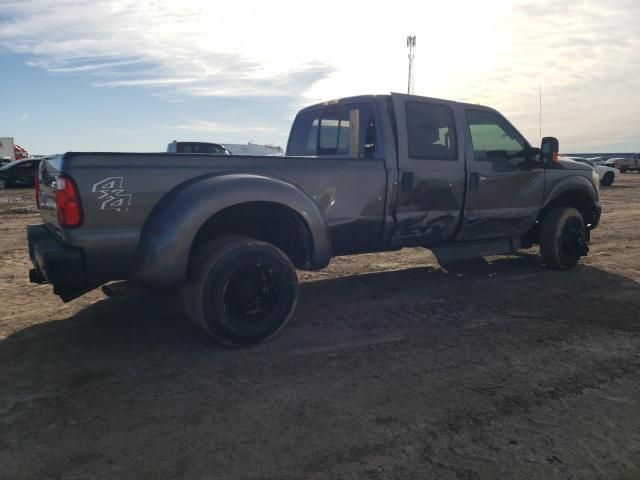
575,199
267,221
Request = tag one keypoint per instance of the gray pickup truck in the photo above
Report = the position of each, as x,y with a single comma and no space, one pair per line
361,174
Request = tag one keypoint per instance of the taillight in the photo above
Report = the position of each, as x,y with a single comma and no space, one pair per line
37,187
68,203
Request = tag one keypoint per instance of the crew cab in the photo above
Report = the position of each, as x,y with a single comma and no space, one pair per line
361,174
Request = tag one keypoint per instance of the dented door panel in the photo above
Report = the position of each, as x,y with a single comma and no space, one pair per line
431,191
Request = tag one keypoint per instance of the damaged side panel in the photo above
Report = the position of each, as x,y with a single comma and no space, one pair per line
431,171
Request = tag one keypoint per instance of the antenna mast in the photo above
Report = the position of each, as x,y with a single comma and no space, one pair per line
540,110
411,44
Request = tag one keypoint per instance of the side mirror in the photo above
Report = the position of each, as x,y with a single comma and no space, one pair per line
532,154
549,150
533,151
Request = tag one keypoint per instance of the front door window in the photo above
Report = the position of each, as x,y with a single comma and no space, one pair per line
494,139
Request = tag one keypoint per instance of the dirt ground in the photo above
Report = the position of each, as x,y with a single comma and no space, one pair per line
391,368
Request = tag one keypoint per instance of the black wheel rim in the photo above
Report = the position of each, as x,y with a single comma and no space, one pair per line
250,294
572,239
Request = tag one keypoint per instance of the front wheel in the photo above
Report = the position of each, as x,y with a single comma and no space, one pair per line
240,290
607,180
562,238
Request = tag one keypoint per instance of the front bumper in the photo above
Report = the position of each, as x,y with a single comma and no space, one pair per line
56,263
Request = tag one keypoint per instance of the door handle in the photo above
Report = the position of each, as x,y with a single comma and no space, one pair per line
474,181
406,183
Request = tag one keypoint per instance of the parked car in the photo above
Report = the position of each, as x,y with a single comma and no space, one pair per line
596,160
606,174
19,173
361,174
197,147
611,162
629,164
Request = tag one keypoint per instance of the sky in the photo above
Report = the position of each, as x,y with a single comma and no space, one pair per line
121,75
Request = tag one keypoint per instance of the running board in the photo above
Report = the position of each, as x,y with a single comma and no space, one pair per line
478,248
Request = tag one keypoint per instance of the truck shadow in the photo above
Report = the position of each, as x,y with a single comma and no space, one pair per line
135,361
154,324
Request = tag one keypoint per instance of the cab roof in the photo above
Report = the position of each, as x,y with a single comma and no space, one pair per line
373,98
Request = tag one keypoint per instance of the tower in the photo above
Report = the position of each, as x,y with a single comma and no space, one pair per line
411,44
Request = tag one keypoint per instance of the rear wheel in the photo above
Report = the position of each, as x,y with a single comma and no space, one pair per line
241,291
607,180
562,238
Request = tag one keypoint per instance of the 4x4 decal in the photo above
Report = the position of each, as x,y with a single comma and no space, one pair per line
112,194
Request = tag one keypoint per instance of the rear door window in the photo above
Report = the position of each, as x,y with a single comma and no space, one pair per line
430,131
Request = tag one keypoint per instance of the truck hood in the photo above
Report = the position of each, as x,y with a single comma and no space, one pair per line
573,165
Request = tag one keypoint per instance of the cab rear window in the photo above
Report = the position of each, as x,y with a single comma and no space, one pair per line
339,130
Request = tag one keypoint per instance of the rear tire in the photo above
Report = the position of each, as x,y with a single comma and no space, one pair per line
607,180
240,290
562,238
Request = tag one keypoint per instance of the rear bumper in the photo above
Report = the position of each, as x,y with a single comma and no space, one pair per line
56,263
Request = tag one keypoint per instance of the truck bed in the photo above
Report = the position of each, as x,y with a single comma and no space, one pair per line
118,192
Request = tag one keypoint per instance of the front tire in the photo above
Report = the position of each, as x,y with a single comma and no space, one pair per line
562,238
240,290
607,180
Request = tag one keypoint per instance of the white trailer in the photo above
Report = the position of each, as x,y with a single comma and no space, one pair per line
253,149
7,152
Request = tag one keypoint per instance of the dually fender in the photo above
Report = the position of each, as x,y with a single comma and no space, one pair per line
168,233
572,183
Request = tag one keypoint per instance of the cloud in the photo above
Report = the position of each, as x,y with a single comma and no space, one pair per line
497,52
198,125
145,82
164,44
205,130
89,67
